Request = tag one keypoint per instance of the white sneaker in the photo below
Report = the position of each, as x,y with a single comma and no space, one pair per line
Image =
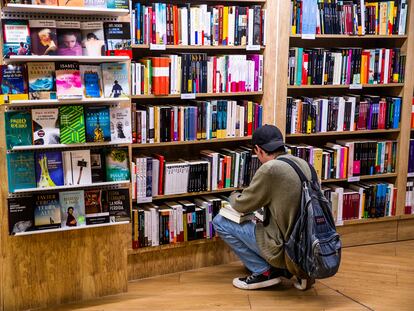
303,284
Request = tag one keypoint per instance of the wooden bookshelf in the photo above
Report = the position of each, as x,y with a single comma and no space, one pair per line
203,48
83,101
344,133
199,95
345,86
56,58
356,37
192,142
363,177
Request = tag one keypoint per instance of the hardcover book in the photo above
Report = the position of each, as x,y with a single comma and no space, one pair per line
121,125
78,3
117,4
93,40
115,80
46,129
69,38
43,37
118,202
77,167
97,121
118,38
13,83
68,80
21,214
117,164
41,78
72,208
91,80
96,208
49,169
97,166
18,128
16,37
47,211
20,170
72,124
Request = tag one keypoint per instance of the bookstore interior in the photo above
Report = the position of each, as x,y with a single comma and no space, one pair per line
125,125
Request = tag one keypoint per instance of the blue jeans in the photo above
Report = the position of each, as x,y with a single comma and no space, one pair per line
242,239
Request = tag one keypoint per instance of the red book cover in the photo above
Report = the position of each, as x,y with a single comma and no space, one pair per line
382,66
175,24
160,75
149,25
139,127
161,173
172,125
345,207
355,206
220,9
305,62
153,23
215,76
220,184
382,114
179,125
394,203
412,115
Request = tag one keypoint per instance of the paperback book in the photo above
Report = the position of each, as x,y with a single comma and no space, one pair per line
47,211
72,124
117,164
49,169
78,3
115,80
46,130
118,203
69,38
42,82
100,4
93,40
20,170
16,37
43,37
18,128
97,166
77,167
13,83
117,4
121,125
21,214
118,38
96,209
72,208
91,81
98,128
68,80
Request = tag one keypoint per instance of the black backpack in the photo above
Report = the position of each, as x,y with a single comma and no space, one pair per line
314,245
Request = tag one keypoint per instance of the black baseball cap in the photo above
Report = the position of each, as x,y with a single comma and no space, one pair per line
268,137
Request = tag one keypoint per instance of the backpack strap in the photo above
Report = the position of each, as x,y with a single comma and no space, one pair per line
314,176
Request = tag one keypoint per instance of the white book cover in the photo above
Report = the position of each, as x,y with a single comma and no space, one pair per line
184,30
151,129
324,114
115,80
192,26
250,28
46,129
231,25
155,175
261,70
121,130
144,127
242,116
93,41
77,167
403,17
386,66
341,113
207,28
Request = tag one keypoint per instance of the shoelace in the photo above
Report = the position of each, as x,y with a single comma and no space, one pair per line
250,278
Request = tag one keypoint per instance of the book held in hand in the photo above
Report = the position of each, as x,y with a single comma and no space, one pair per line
227,211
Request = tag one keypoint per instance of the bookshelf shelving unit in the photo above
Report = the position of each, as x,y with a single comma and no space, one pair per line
198,95
28,8
192,142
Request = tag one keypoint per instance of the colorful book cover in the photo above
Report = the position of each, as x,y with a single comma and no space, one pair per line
68,80
72,208
97,166
41,78
121,130
16,37
20,170
118,38
47,211
69,38
78,3
96,208
117,4
100,4
18,128
72,124
118,203
77,167
13,83
91,80
117,164
98,128
46,130
45,2
43,37
21,214
49,169
93,40
115,80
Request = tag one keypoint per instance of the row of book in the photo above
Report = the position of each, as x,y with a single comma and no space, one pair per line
349,158
97,4
349,17
48,169
65,38
197,73
65,209
188,24
337,66
411,157
198,121
352,112
69,124
409,197
154,175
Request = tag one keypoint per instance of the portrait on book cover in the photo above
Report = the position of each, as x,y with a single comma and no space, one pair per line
69,43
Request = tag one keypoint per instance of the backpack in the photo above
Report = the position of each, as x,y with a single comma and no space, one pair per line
314,246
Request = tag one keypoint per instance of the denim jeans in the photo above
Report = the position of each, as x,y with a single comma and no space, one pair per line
242,239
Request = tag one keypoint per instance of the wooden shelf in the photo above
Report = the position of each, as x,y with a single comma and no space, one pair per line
27,8
55,58
100,184
328,36
344,133
67,146
342,86
198,95
192,142
39,102
199,47
363,177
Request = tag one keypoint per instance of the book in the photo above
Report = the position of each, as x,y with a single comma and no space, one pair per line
42,82
118,203
95,3
118,38
43,37
46,130
45,2
117,164
77,167
68,81
77,3
96,207
227,211
98,127
13,83
16,37
115,80
20,170
47,211
98,166
49,169
72,124
72,208
121,124
18,127
91,81
93,40
69,37
117,4
21,214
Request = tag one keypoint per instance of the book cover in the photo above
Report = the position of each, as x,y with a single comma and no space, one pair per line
78,3
72,124
118,38
121,125
91,80
117,4
77,167
45,2
72,208
101,4
98,128
47,211
97,166
13,82
93,40
46,130
115,80
18,126
20,170
96,208
21,214
118,203
43,37
117,164
16,37
41,77
69,38
49,169
68,80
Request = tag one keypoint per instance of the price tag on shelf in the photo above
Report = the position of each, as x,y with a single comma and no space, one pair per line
158,47
354,178
355,86
410,175
252,47
188,96
308,36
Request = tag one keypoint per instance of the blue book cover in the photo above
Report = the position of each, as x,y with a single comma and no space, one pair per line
13,79
117,164
91,80
18,128
397,112
20,167
47,211
16,37
49,169
98,124
310,11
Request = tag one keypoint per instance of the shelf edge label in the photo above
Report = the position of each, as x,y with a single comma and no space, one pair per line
188,96
158,47
252,47
354,178
355,86
308,36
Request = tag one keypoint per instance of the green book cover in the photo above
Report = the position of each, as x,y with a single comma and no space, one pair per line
117,164
21,173
72,125
18,128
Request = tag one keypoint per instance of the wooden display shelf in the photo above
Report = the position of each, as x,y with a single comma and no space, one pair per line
192,142
28,8
55,58
368,220
363,177
67,146
344,133
100,184
199,47
358,37
198,95
39,102
343,86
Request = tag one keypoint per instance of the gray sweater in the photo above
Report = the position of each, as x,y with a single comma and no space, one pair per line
277,187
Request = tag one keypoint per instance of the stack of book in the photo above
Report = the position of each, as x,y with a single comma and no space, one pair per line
230,213
97,4
202,120
342,113
409,198
188,24
345,66
197,73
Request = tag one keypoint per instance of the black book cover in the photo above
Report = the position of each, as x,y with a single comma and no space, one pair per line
118,203
97,166
257,20
21,214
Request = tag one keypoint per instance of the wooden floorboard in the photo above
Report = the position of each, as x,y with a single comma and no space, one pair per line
372,277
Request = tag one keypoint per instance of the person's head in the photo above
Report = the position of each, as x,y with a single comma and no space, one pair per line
69,40
267,142
44,35
70,210
91,36
116,82
21,44
10,49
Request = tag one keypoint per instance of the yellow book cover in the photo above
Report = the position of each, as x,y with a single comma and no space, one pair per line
364,74
390,21
383,18
226,25
249,113
317,161
293,29
362,206
9,98
156,124
185,227
78,3
345,159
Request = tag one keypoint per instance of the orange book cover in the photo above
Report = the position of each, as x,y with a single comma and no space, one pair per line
78,3
160,75
228,171
175,24
299,123
364,68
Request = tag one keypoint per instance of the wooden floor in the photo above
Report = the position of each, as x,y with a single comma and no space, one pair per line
375,277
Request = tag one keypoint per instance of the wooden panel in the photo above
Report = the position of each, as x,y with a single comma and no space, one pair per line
406,228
